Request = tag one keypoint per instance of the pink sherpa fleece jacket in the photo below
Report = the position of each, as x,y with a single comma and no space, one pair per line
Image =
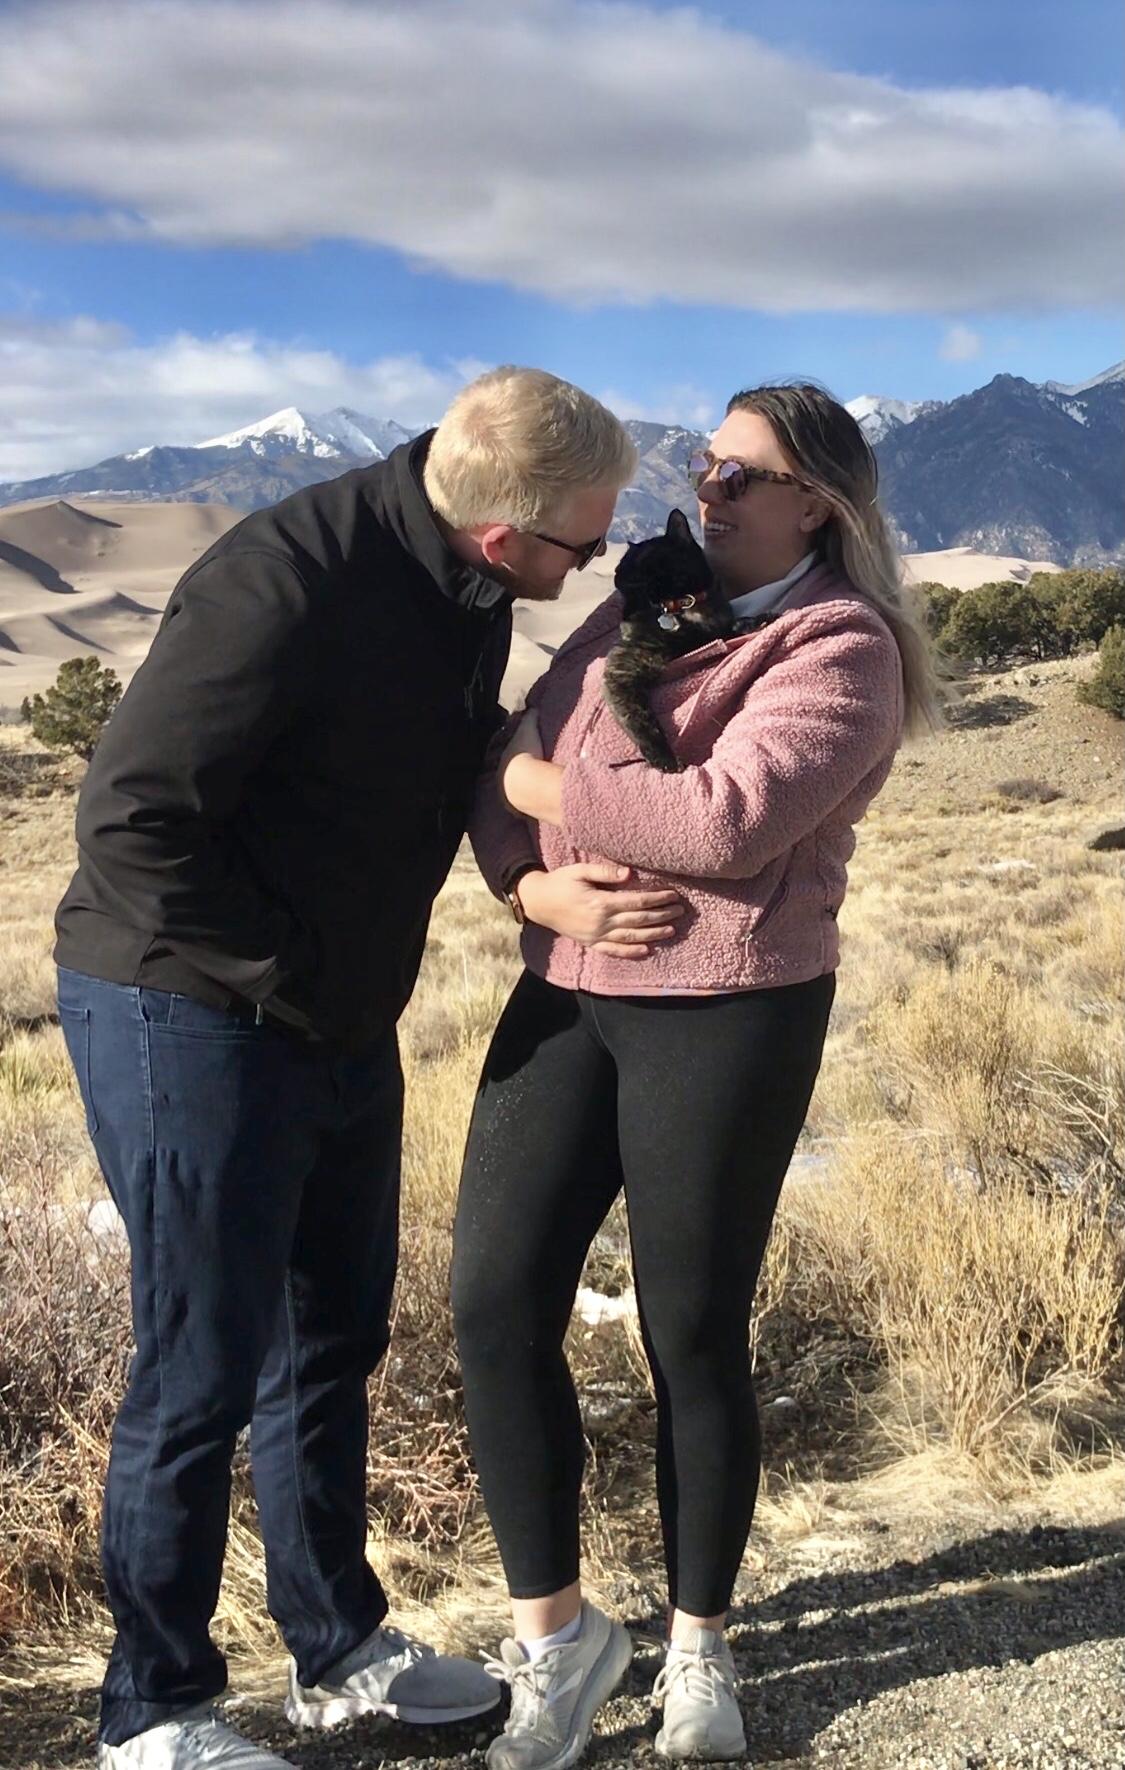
787,734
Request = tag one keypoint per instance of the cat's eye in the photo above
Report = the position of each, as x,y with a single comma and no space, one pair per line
735,476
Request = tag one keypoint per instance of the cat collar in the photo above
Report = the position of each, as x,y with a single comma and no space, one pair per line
670,611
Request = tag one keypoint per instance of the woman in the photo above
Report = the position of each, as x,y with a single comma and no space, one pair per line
671,1047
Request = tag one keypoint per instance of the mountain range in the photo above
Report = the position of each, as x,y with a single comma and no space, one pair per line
1015,467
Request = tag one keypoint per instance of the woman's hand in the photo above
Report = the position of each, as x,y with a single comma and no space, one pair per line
586,902
529,786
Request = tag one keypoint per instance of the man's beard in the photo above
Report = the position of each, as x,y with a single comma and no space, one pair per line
516,587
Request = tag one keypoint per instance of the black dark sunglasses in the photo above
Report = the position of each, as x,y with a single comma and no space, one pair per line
583,551
735,477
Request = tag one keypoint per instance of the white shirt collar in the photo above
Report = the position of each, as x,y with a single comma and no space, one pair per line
755,602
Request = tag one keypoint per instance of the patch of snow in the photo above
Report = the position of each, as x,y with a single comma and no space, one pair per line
594,1307
876,414
1115,373
361,435
287,426
139,454
104,1221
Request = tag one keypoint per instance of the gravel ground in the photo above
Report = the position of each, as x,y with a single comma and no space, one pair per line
1004,1650
1020,723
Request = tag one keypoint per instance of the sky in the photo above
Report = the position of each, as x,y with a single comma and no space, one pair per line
210,209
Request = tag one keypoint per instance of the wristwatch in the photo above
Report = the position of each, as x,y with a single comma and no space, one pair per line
511,881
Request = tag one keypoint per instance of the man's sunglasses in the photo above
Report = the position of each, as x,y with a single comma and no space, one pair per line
583,551
735,476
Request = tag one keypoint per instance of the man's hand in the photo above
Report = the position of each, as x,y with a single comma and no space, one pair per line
586,902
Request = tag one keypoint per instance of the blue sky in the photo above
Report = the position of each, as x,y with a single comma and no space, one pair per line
212,208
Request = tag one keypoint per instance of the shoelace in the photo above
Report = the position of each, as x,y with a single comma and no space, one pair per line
528,1683
704,1677
405,1647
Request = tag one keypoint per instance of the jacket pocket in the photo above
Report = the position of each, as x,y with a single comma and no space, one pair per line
769,910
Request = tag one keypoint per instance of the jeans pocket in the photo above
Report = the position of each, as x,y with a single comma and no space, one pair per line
75,1023
174,1013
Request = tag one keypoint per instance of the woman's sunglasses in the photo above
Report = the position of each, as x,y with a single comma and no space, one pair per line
735,477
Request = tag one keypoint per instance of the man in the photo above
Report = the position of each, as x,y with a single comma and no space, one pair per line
263,830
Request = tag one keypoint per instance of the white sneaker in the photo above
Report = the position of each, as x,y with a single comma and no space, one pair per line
698,1686
391,1674
190,1741
555,1698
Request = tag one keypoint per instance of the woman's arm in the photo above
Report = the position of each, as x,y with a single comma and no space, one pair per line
503,840
588,903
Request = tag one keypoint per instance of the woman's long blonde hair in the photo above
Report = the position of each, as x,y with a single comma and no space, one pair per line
834,458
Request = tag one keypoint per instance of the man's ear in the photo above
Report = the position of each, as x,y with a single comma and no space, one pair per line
494,540
678,527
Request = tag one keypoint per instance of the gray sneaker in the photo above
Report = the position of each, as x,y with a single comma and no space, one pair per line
555,1698
195,1740
698,1686
391,1674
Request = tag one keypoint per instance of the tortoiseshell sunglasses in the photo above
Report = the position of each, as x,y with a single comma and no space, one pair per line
735,477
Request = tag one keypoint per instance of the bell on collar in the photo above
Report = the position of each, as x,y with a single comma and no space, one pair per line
668,622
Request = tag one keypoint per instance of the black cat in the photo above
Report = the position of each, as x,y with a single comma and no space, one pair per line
673,604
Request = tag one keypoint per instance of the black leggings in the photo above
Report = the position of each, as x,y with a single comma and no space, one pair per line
694,1104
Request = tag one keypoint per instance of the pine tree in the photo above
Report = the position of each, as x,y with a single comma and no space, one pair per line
1106,688
74,712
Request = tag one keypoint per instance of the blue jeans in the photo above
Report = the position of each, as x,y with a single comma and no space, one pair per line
258,1178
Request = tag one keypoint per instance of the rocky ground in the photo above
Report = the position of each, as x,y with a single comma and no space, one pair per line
1023,724
1000,1646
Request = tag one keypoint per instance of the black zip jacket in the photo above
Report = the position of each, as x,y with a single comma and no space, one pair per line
278,798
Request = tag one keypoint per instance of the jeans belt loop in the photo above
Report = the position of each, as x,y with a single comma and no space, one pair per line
259,1015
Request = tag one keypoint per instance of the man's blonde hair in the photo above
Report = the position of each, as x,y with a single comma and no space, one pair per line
517,444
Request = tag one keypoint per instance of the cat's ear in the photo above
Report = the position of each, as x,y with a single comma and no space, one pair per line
679,528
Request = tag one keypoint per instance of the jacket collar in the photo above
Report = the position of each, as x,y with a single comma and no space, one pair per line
401,502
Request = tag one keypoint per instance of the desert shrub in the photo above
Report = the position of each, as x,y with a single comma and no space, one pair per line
1028,791
981,1300
75,710
1106,687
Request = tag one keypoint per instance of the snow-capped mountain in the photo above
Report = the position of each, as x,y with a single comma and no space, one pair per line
1106,378
327,437
1012,468
876,415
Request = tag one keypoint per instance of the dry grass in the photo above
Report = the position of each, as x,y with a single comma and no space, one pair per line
964,1242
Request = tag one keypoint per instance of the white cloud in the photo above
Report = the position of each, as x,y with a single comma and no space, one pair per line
683,403
77,391
585,151
961,344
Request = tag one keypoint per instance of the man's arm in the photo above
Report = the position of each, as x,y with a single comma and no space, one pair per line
157,818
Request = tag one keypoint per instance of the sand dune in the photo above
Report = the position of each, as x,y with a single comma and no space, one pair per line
76,580
960,568
93,578
104,621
